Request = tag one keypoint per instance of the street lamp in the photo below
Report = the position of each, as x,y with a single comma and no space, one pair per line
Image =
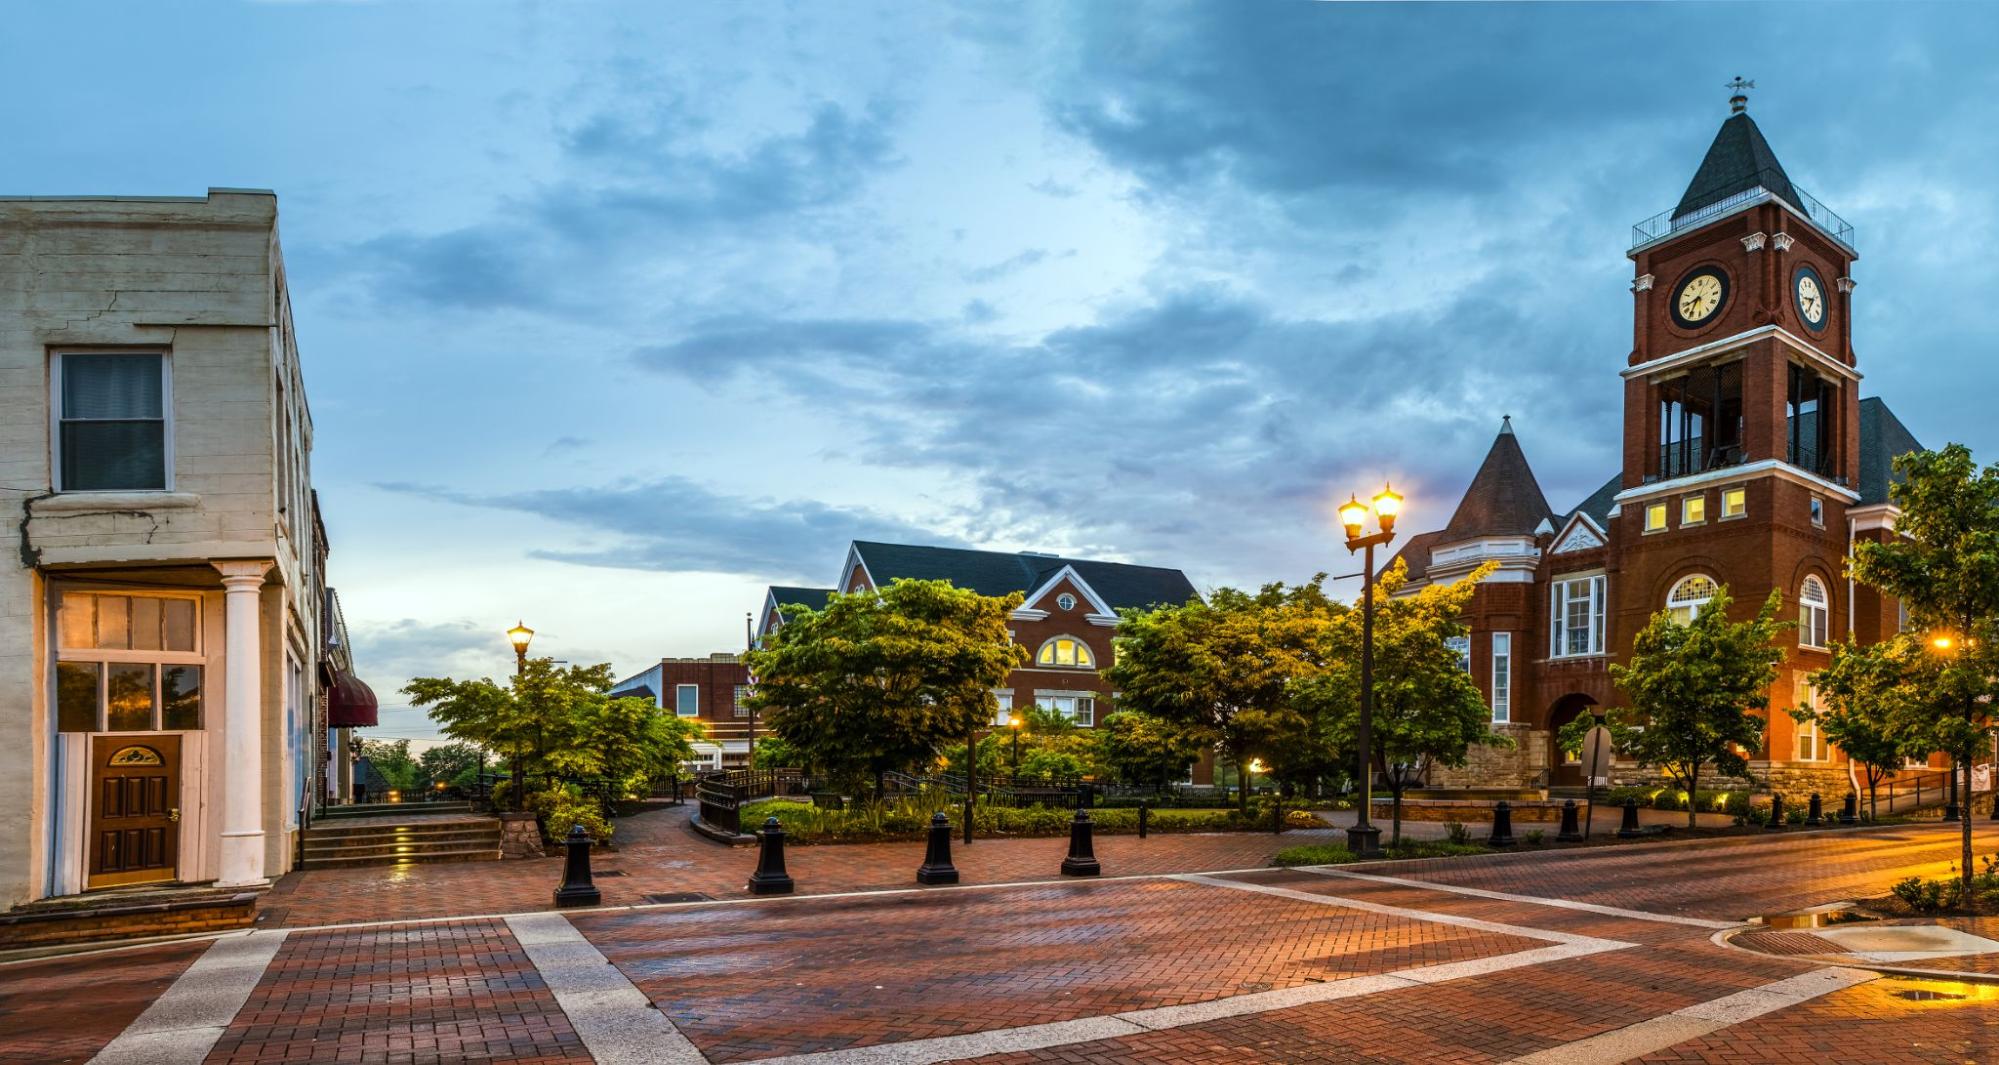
1014,722
519,636
1254,767
1945,643
1363,839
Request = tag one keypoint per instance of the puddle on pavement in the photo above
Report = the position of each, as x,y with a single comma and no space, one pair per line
1820,918
1942,993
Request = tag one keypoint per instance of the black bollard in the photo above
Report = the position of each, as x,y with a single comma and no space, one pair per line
1572,829
1849,811
1815,812
1629,828
1144,816
1082,859
770,877
1776,812
1502,825
576,889
937,867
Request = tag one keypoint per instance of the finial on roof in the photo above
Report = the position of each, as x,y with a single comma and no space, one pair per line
1506,423
1739,102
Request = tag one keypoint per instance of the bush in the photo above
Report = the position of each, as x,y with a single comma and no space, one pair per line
559,809
1457,832
1337,853
1924,896
909,819
1536,837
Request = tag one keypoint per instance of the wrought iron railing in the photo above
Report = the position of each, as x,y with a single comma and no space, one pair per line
1666,223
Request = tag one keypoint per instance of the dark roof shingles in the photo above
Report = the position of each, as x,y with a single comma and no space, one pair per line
1738,160
998,572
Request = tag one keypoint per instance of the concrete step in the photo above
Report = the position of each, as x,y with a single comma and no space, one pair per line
465,833
395,849
442,827
393,809
468,854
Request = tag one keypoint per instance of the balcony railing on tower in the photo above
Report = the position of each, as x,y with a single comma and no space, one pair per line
1666,223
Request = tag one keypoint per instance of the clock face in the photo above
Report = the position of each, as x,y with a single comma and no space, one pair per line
1809,292
1699,297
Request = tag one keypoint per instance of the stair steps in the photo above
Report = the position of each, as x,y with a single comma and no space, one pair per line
396,841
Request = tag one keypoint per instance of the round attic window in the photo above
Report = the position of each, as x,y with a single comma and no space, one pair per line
1066,601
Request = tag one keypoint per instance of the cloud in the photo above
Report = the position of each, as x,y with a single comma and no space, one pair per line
673,524
1006,267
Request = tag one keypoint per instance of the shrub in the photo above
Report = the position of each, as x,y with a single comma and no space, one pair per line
1457,832
1922,896
909,818
1337,853
1536,836
562,808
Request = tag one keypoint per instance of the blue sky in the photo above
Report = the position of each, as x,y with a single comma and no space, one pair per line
613,314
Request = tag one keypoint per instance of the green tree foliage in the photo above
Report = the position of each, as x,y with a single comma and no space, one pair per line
1944,567
553,721
1223,667
455,765
1862,688
392,759
1140,749
1427,709
1694,687
879,681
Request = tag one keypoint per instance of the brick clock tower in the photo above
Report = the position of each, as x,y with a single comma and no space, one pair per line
1741,402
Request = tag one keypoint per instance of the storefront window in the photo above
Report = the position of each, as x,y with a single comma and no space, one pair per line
128,663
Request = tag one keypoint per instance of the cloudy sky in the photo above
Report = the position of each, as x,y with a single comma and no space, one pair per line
613,314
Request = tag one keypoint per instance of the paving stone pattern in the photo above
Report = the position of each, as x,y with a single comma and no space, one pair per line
67,1008
857,972
410,995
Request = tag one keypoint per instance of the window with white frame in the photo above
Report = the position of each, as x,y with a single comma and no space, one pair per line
1811,742
1814,613
687,700
1066,601
741,701
1461,646
1003,715
1578,613
113,432
1079,707
128,663
1066,651
1502,677
1689,595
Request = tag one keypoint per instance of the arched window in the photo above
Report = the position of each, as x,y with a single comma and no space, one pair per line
1066,651
1688,596
1814,613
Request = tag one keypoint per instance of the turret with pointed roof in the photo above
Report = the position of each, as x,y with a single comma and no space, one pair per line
1503,499
1738,161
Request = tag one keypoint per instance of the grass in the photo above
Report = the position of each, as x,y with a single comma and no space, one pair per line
1338,854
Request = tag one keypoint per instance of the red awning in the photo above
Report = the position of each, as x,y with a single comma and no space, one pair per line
349,702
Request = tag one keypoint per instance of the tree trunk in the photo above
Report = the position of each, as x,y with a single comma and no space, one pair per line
1873,805
1395,818
1241,778
1694,797
1965,898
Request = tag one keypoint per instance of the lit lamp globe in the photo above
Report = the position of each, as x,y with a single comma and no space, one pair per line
519,636
1386,506
1353,515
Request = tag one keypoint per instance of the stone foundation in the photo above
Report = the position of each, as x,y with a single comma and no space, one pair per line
520,836
1519,766
1470,810
59,922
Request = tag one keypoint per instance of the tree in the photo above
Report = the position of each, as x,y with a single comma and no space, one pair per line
553,721
1223,667
391,758
1137,748
1427,709
1943,565
1692,689
1862,686
884,680
455,765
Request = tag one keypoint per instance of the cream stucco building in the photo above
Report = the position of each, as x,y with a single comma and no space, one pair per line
162,605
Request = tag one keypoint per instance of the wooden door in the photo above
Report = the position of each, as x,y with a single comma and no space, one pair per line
135,810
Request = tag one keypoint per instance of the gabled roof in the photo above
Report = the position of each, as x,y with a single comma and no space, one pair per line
1883,438
815,598
1738,160
1598,503
1504,499
998,572
1416,554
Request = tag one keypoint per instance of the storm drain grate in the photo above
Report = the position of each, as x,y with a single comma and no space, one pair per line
609,872
680,896
1787,943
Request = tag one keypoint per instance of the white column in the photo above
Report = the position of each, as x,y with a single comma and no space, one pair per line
242,724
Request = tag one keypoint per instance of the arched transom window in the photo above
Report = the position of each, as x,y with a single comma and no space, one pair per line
1688,596
1814,613
1066,651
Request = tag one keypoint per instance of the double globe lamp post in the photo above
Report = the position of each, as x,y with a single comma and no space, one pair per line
1363,839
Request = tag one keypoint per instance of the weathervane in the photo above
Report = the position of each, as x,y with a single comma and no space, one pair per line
1739,102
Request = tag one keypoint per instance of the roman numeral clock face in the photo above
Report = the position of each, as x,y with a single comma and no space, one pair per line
1699,298
1809,292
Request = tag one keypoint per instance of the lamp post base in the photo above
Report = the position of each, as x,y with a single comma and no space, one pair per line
1364,841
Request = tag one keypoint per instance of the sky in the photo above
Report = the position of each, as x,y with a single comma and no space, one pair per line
613,314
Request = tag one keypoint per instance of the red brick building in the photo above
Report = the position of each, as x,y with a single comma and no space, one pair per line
1749,460
711,690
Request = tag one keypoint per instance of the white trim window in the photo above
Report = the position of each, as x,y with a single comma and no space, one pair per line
1079,707
128,663
740,701
1689,595
1461,645
113,431
1578,613
1066,652
1811,742
1814,614
1004,715
687,700
1502,677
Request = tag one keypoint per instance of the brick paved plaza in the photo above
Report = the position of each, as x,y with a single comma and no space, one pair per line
1600,955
